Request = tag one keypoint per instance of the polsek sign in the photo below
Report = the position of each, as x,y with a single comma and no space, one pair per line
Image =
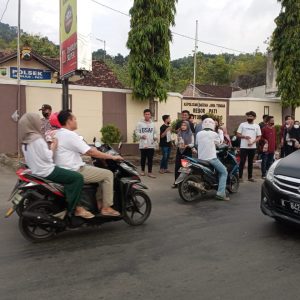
75,36
31,74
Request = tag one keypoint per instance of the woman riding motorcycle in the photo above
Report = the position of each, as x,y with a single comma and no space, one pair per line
39,159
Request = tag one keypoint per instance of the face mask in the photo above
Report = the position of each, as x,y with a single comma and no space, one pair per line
45,114
250,121
296,126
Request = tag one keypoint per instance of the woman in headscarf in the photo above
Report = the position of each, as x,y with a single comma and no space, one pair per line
184,147
39,159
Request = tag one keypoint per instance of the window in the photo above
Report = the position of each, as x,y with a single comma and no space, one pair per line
266,110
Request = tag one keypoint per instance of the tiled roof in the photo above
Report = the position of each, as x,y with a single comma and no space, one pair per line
219,91
101,75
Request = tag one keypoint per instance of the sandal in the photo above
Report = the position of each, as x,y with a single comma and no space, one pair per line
151,175
83,213
108,211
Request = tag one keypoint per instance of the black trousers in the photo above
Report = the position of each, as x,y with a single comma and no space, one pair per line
244,154
179,156
147,154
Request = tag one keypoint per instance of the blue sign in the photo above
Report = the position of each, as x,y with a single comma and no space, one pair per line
31,74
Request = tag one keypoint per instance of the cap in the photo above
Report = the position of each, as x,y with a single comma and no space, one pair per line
45,106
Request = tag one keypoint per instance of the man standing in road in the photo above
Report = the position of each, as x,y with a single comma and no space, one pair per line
250,134
269,145
146,133
165,144
46,112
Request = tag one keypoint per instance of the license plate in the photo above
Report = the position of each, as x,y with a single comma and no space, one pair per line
294,206
16,199
184,170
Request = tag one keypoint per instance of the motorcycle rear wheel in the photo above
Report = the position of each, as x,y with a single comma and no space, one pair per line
137,208
38,232
189,193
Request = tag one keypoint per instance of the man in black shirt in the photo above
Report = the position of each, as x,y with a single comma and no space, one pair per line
165,144
185,116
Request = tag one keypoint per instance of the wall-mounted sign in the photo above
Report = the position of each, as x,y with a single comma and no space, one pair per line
201,107
3,72
31,74
75,36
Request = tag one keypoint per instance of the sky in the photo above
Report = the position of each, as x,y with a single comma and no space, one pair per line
242,25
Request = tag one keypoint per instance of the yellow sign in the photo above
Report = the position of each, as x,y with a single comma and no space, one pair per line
202,107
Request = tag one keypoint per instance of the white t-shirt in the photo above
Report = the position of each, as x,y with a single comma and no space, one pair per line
38,157
252,130
207,140
70,147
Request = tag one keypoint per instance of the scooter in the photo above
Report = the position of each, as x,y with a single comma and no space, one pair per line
197,177
41,204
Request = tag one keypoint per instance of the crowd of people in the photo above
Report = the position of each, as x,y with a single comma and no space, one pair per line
53,150
253,140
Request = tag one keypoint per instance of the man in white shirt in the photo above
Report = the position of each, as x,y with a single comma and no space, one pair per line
250,134
207,140
68,156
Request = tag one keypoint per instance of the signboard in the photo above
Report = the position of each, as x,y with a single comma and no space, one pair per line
75,36
201,107
31,74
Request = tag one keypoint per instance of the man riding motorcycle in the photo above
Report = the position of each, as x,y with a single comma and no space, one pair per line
68,156
207,140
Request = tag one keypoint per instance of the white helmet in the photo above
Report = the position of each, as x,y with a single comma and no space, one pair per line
209,123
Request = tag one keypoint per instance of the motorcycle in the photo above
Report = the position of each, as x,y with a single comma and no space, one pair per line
41,204
197,177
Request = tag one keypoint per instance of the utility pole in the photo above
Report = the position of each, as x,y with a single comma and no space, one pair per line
19,75
104,46
65,93
195,58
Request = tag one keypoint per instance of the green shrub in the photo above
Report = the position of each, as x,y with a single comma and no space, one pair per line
135,137
110,134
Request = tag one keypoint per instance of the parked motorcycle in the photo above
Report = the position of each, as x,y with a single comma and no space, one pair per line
41,204
197,177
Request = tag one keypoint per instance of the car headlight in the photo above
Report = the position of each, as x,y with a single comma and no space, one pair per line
270,174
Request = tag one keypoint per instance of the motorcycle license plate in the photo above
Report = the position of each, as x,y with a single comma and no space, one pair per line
184,170
16,199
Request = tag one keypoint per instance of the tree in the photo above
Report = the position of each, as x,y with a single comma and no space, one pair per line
285,45
148,42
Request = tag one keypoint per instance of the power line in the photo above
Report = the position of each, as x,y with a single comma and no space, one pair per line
4,10
176,33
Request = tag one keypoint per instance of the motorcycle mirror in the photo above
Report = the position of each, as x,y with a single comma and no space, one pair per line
120,145
94,139
97,144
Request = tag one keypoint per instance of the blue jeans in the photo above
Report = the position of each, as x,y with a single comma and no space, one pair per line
165,157
220,168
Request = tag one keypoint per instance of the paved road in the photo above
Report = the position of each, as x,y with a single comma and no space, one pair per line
205,250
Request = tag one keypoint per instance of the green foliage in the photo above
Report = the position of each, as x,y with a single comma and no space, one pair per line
110,134
148,42
135,137
173,125
278,134
39,44
285,46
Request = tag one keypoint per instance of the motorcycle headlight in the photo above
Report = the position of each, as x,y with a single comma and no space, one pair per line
270,174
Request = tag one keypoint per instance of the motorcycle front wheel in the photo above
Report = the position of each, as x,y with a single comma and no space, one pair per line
38,232
234,184
137,208
187,190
